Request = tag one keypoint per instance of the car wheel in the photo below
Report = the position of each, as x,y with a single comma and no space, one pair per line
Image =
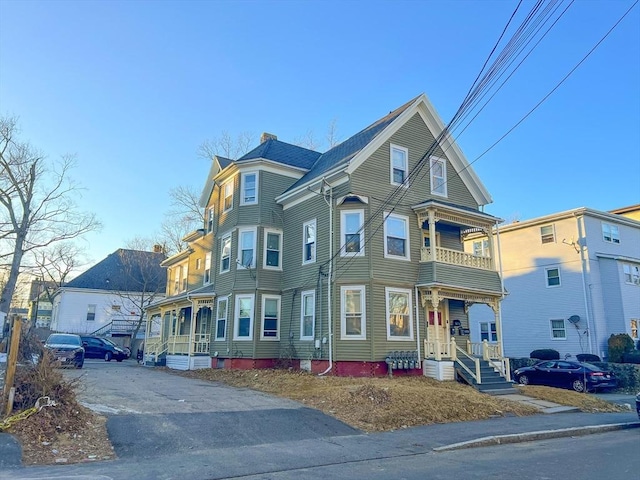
578,385
523,380
107,357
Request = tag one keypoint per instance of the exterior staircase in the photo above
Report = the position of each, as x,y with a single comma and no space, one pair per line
491,381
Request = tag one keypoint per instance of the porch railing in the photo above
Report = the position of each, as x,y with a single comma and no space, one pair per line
180,344
154,347
456,257
437,349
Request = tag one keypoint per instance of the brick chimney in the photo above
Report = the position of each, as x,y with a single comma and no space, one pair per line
267,136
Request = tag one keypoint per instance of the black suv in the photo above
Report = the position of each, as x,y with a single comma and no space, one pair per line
66,348
98,347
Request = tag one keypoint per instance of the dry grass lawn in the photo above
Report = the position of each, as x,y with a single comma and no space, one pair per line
384,404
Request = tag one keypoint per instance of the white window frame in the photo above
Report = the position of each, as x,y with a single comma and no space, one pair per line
305,243
227,193
262,319
224,319
311,296
206,277
403,291
225,239
491,331
553,329
547,278
405,152
91,312
243,186
481,248
236,317
343,233
407,249
631,274
548,237
634,326
432,177
241,234
610,233
210,217
343,313
272,231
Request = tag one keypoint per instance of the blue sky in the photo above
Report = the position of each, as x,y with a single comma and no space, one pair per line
133,88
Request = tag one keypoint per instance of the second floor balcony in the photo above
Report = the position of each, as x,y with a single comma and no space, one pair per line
455,257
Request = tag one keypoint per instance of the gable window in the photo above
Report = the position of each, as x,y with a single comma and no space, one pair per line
352,313
221,318
227,196
270,317
481,248
247,248
488,332
396,236
351,226
610,233
207,268
249,188
553,277
91,312
210,213
308,315
631,274
399,164
272,249
243,318
547,235
438,173
399,318
309,242
225,253
558,331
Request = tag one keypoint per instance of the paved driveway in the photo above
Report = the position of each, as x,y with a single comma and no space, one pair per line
151,412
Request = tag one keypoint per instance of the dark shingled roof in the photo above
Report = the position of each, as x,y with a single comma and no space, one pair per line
282,152
125,271
345,151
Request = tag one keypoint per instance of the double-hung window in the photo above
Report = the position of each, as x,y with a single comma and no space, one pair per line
547,234
353,318
91,312
243,329
399,164
247,247
210,217
207,268
396,236
227,196
272,249
438,174
308,315
488,332
249,188
351,226
610,233
553,276
399,314
270,317
225,253
481,248
558,331
309,242
221,318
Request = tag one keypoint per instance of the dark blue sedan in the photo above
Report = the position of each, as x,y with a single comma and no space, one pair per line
566,374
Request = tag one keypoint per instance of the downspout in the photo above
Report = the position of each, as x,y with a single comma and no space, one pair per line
584,283
499,326
329,279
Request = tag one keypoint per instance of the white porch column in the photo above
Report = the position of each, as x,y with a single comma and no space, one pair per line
432,235
495,306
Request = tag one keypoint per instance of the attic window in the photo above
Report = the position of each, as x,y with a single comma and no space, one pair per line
346,199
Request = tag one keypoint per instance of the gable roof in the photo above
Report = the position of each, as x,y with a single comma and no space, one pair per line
125,271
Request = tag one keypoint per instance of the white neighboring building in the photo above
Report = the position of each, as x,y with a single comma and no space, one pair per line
572,280
107,298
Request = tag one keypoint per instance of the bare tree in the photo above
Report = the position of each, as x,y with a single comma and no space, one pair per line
142,279
55,264
38,200
184,216
308,140
226,146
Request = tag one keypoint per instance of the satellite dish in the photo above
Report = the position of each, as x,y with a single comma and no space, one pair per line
574,319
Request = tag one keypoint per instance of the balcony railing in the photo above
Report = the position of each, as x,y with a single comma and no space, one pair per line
456,257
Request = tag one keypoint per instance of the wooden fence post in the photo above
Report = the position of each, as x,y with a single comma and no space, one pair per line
12,360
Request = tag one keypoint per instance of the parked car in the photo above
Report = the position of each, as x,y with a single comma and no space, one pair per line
98,347
579,376
66,348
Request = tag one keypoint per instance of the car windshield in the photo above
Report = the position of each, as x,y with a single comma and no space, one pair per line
60,339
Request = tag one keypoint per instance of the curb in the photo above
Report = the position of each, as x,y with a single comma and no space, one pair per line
539,435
